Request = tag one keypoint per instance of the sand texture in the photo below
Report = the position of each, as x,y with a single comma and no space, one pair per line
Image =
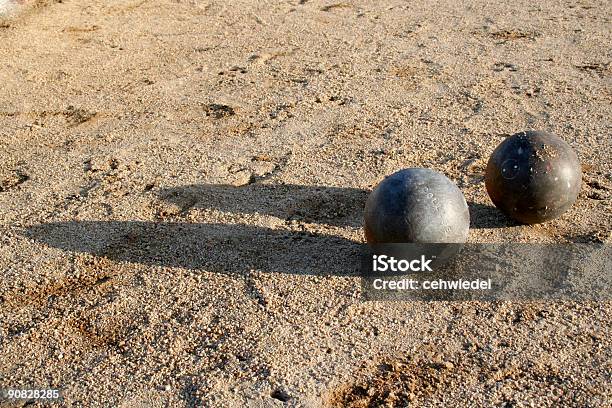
182,187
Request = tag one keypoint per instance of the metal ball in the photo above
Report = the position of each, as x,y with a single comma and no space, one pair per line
418,206
533,177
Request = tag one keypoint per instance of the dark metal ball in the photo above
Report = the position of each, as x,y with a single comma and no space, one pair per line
533,177
419,206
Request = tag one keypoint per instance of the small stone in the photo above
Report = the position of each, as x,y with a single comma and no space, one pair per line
242,178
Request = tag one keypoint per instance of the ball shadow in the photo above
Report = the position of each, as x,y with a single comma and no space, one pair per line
484,216
219,248
238,248
315,204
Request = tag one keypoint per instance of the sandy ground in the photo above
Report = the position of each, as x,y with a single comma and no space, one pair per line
182,185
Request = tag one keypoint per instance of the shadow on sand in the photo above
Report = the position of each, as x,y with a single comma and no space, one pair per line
488,217
237,248
215,247
314,204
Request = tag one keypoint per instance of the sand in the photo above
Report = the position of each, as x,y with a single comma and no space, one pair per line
182,187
